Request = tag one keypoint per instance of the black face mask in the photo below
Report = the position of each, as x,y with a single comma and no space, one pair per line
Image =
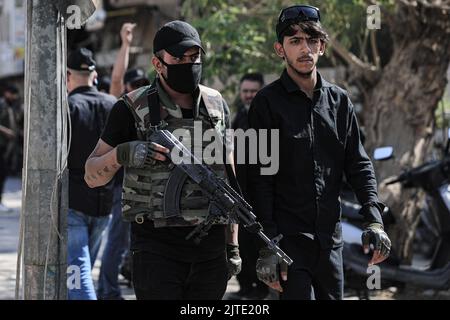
183,78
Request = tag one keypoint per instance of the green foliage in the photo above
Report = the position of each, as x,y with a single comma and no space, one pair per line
239,35
442,113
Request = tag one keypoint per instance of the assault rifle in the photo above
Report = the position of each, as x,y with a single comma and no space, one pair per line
224,200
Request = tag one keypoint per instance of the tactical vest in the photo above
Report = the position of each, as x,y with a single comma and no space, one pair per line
145,189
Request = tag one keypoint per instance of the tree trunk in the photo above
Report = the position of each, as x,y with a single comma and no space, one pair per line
400,107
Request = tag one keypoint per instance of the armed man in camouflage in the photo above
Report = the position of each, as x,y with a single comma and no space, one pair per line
165,264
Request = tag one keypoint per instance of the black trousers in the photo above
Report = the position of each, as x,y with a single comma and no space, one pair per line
156,277
3,171
315,274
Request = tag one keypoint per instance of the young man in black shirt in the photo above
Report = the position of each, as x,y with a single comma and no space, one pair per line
165,264
319,143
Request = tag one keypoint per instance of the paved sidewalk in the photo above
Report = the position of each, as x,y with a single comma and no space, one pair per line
9,238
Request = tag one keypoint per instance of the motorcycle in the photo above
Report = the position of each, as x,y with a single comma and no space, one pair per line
434,270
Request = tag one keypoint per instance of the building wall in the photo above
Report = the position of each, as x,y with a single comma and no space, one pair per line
12,37
149,15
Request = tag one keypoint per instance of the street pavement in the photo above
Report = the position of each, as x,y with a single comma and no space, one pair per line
9,238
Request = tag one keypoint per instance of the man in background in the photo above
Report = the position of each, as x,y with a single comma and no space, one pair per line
250,286
88,208
116,256
10,136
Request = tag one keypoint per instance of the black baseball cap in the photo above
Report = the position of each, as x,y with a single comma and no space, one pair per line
133,75
176,37
81,60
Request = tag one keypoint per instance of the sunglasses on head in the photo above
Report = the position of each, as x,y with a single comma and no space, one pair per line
299,12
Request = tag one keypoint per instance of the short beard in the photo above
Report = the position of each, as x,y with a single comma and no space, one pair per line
305,75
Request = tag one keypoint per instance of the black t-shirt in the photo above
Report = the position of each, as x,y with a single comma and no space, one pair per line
167,241
89,110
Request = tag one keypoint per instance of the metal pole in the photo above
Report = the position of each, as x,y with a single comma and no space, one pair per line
44,185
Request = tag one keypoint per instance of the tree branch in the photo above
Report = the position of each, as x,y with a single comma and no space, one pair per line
350,58
363,50
375,54
437,4
387,15
360,69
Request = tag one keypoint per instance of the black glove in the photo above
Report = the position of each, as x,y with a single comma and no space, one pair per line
136,154
234,261
374,235
269,266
